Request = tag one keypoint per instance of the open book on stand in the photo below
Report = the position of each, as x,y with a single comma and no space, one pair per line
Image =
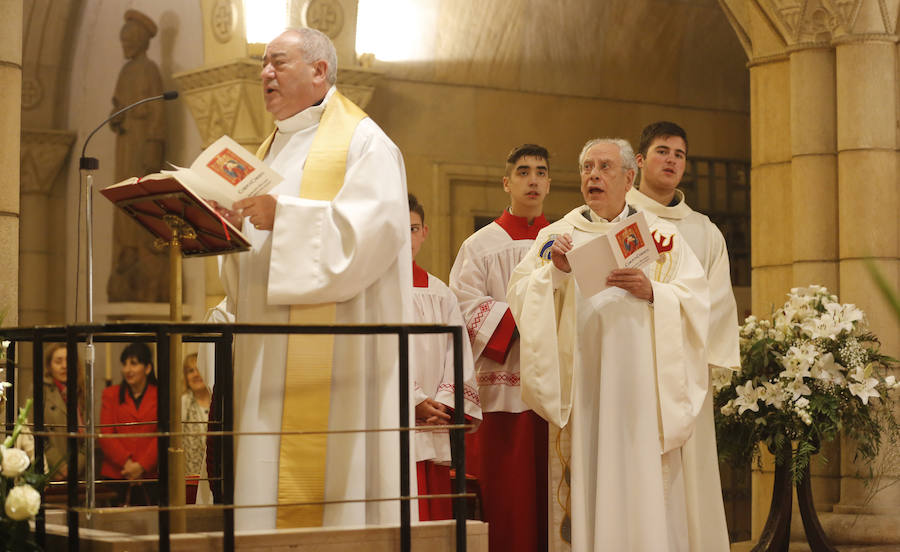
628,244
224,172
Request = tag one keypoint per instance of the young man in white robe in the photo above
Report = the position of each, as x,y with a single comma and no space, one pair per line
509,452
625,367
330,244
435,386
661,156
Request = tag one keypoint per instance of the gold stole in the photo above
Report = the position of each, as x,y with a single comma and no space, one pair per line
307,379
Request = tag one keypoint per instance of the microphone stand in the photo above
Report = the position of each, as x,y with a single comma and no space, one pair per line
87,166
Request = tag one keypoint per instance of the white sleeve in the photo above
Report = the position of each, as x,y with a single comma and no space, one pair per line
680,327
481,312
546,320
723,349
447,387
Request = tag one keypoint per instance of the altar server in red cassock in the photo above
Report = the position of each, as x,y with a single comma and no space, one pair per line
508,453
433,360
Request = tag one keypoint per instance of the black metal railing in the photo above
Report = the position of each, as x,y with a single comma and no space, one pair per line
222,337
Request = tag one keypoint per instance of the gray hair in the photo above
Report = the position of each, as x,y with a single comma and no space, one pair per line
625,151
316,46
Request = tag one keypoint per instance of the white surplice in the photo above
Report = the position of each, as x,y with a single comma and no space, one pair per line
630,377
354,251
433,354
706,511
479,278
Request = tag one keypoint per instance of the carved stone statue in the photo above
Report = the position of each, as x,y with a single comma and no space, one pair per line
139,271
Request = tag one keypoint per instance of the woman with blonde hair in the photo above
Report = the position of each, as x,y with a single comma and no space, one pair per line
55,391
195,404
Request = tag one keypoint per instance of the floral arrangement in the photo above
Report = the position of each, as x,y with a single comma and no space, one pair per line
811,372
20,484
20,487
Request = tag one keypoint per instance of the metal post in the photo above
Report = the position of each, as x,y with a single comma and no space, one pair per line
86,169
225,381
90,459
405,530
162,443
71,421
37,364
459,439
11,390
175,451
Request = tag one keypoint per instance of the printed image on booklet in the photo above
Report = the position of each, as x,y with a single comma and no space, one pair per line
628,244
224,172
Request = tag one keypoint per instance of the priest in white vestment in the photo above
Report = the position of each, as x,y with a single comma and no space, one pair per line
350,252
661,157
626,367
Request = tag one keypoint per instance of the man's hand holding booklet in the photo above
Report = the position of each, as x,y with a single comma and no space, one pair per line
628,244
222,174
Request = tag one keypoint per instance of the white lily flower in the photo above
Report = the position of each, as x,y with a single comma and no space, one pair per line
797,389
773,394
720,378
747,399
865,390
728,408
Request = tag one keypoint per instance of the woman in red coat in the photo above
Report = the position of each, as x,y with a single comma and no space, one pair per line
133,400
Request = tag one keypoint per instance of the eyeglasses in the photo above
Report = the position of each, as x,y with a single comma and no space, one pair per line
605,167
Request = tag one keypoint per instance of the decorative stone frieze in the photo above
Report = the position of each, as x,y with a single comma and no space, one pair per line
324,15
223,18
240,69
811,22
41,158
32,93
226,98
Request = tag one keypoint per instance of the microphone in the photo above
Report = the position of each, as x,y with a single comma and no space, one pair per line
92,163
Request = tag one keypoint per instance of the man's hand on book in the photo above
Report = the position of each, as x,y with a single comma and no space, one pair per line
234,217
260,210
632,280
561,246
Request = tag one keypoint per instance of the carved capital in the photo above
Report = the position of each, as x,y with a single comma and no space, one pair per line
41,158
769,27
227,99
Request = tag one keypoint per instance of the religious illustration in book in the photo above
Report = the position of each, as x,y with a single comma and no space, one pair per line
629,240
229,166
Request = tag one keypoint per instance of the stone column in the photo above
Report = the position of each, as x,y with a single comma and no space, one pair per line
813,206
771,239
42,155
869,203
839,203
770,183
10,123
814,166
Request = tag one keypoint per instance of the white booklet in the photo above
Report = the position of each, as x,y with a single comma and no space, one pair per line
226,172
628,244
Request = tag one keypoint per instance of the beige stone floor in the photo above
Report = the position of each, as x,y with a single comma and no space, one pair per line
800,547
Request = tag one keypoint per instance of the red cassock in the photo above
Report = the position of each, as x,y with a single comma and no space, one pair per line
509,452
140,449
